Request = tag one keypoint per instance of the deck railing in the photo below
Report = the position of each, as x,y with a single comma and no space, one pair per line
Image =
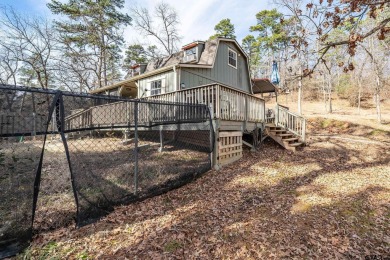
224,102
121,114
290,121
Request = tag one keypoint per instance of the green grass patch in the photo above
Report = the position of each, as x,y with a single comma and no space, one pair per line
83,255
48,251
379,132
172,246
326,123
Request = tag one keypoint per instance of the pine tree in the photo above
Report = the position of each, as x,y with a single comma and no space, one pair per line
135,54
91,34
224,29
250,46
271,29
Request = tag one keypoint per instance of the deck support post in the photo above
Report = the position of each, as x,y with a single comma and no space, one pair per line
255,135
215,153
161,148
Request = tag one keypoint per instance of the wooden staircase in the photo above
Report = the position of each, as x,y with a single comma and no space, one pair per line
284,137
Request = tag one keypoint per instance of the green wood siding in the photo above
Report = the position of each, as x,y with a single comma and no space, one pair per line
168,83
222,71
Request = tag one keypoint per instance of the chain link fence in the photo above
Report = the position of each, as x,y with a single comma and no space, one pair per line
68,157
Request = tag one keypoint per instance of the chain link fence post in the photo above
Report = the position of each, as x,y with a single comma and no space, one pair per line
136,103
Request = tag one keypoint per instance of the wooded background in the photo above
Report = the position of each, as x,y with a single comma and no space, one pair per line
325,49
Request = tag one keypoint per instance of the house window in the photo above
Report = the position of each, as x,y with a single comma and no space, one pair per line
155,87
233,58
135,71
191,51
190,54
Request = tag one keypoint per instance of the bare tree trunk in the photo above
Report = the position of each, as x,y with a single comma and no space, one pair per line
104,62
330,97
99,72
359,93
378,81
287,93
324,92
300,91
378,100
329,92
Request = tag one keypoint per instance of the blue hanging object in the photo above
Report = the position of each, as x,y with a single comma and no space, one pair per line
275,78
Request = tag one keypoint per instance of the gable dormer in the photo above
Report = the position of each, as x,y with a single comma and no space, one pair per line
193,51
137,69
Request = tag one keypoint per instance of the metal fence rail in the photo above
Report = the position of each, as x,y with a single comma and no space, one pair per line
85,154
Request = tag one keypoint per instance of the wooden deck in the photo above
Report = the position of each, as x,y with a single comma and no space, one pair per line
230,106
233,113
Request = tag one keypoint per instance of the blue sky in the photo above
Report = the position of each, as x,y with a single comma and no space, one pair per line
197,17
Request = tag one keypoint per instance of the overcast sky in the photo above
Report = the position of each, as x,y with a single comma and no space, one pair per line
197,17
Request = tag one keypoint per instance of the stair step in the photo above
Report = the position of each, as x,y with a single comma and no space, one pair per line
295,144
278,130
285,135
290,139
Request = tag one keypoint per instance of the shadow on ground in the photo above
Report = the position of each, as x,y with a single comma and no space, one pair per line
330,200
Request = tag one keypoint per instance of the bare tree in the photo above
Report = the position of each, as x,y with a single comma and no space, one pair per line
162,28
358,76
378,61
8,66
76,70
319,19
30,39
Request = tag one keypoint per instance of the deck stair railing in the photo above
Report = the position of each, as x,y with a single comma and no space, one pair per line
292,122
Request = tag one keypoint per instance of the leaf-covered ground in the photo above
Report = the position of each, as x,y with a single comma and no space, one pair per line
331,200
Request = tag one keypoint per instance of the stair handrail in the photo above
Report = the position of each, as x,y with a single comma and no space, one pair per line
71,118
291,121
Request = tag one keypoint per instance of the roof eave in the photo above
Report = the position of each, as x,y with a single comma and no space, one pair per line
138,77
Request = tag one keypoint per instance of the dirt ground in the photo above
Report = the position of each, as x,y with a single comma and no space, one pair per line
104,164
342,111
330,200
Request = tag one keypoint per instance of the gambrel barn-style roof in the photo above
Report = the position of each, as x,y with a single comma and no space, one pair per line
206,60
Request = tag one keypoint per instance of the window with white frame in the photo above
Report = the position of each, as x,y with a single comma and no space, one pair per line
190,54
191,51
155,87
233,58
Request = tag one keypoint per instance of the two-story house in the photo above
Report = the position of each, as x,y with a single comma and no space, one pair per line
219,61
214,73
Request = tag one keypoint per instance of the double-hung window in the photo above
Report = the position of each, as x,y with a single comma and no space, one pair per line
155,87
233,58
